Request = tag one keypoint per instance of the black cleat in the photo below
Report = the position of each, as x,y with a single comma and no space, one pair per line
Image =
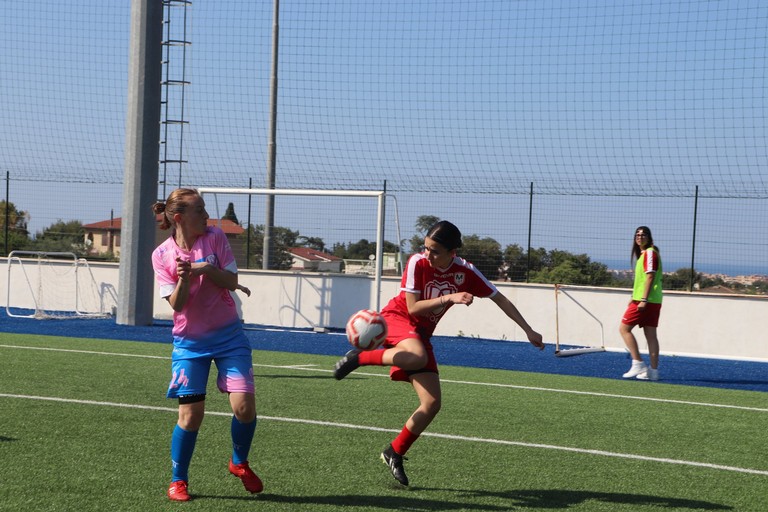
395,463
346,364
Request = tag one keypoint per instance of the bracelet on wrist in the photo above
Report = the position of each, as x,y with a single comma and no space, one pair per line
643,300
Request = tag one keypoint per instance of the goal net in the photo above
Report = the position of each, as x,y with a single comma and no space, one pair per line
55,285
346,228
585,334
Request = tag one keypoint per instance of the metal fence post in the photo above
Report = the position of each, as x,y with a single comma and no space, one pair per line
693,242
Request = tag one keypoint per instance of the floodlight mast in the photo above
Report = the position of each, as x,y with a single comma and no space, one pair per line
272,143
142,151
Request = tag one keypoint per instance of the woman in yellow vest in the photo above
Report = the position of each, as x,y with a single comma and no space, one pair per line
644,307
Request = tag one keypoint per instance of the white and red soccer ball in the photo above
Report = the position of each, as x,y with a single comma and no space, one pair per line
366,329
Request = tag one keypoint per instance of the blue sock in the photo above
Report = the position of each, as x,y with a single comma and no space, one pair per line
182,446
242,436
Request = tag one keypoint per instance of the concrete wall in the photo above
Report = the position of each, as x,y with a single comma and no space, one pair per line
707,325
59,286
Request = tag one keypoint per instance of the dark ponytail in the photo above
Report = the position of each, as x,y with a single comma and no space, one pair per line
446,234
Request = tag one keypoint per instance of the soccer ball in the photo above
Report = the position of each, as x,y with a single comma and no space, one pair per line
366,329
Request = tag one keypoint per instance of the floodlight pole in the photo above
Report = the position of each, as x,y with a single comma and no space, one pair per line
272,143
142,151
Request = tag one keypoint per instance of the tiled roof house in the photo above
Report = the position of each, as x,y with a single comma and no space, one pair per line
104,236
305,258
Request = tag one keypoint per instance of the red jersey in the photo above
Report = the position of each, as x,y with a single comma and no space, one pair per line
429,283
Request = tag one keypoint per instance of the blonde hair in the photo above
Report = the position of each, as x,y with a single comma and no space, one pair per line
177,202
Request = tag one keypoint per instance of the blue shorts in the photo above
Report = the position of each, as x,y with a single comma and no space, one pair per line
190,372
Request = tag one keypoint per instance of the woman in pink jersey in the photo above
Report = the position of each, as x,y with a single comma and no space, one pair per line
433,281
195,272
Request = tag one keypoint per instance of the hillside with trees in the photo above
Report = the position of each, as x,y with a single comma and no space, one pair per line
510,263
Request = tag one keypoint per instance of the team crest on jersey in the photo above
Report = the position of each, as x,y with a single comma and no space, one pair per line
459,278
435,289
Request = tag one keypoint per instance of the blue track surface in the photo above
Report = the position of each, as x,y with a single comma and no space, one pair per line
449,351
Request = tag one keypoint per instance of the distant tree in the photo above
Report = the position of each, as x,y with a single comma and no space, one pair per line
760,287
680,279
539,259
576,269
710,282
423,223
390,247
564,273
623,281
17,221
283,239
361,250
592,273
557,267
517,261
484,253
311,242
230,214
339,250
598,273
61,237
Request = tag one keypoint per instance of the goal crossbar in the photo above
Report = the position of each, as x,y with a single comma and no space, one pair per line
379,194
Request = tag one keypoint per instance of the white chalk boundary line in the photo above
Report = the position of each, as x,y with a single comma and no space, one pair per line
313,368
451,437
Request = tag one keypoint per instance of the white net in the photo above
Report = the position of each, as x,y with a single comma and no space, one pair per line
55,285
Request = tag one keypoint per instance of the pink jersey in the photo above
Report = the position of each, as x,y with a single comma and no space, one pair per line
210,309
429,283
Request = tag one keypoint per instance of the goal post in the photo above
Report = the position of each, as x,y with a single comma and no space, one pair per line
379,195
54,285
575,350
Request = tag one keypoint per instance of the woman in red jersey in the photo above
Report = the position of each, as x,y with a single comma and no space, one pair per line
644,307
433,281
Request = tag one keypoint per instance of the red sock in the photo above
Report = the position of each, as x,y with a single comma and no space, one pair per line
403,441
371,358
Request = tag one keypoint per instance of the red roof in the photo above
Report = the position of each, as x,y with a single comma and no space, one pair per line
105,224
226,225
312,254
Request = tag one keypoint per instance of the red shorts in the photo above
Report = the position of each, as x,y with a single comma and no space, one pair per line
649,317
399,328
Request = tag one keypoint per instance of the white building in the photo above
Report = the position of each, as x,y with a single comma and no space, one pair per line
305,258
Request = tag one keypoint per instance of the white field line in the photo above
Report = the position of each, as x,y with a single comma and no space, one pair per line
503,442
611,395
313,368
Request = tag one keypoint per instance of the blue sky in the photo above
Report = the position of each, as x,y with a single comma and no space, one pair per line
459,105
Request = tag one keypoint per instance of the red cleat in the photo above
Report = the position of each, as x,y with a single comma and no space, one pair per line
178,491
251,482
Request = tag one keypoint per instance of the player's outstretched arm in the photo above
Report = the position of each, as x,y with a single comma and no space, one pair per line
512,312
